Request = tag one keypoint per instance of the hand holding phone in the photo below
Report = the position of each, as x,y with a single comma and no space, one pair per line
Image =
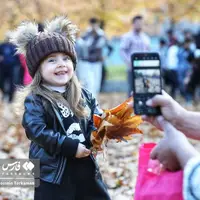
147,82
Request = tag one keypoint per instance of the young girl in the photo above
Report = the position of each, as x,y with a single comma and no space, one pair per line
58,114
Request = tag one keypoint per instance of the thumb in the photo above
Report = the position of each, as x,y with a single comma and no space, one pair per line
159,100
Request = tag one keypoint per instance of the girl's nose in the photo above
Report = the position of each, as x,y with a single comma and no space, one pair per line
62,63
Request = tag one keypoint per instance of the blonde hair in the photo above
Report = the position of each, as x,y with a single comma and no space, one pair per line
72,97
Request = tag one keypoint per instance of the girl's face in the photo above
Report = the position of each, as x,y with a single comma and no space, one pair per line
57,69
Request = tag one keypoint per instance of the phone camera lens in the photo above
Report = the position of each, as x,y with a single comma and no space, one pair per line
140,103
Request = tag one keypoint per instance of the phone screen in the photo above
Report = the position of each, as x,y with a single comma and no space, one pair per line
146,81
146,73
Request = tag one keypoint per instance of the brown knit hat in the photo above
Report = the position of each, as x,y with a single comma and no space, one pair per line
58,36
43,45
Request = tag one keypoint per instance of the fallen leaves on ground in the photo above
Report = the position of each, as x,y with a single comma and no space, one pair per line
118,162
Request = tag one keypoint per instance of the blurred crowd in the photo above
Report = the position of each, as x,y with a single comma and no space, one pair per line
180,60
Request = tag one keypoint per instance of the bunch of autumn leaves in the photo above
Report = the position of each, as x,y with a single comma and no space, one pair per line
118,123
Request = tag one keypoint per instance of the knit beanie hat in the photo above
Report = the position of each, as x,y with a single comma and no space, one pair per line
58,36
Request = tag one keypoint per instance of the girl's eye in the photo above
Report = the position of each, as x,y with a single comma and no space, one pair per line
51,60
66,58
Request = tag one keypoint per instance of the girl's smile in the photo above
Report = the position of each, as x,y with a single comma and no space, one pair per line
61,73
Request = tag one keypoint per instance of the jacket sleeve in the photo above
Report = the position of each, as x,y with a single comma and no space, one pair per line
37,130
191,181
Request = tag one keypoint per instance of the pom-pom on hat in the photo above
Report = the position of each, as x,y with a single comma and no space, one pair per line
58,36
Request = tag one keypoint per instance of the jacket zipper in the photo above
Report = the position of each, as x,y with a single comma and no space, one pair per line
61,167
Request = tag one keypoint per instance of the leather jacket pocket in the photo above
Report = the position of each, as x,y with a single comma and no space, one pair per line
37,152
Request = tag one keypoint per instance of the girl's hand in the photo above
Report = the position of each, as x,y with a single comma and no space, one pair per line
82,151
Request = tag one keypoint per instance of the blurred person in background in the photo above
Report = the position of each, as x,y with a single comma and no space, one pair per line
163,54
91,73
163,49
171,71
171,39
133,41
185,57
109,52
197,40
193,80
189,36
82,52
11,72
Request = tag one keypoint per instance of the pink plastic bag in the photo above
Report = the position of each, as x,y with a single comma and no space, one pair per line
155,184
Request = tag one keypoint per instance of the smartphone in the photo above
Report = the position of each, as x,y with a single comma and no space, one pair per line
147,81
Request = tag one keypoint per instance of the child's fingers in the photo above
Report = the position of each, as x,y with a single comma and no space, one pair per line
87,152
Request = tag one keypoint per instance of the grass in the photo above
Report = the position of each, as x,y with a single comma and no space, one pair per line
116,72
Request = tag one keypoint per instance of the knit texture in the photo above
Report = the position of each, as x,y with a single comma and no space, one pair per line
45,44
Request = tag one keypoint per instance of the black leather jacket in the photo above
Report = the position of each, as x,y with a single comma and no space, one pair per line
49,143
